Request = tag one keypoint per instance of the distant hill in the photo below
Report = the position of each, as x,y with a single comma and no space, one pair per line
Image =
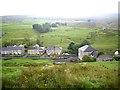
107,20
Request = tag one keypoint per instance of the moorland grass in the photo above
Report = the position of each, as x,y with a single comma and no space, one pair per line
25,60
68,75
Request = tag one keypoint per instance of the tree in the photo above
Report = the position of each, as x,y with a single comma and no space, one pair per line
39,42
85,42
27,41
89,20
36,26
71,46
46,27
54,25
42,28
6,42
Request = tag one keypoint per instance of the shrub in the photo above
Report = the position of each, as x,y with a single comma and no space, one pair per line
88,59
85,42
116,58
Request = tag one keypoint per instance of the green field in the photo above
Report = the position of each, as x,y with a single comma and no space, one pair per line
25,60
18,31
104,41
28,73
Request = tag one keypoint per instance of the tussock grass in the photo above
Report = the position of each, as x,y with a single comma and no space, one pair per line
69,75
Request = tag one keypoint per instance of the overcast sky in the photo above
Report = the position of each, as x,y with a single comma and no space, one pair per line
58,8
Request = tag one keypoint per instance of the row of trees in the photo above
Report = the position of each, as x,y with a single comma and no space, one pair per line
56,24
46,27
42,28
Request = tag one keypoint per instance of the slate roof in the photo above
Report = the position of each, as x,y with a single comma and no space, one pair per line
86,48
94,53
37,48
105,56
53,47
11,48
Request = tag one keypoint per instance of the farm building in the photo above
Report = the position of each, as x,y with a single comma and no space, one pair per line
36,50
53,50
117,52
12,50
86,50
104,58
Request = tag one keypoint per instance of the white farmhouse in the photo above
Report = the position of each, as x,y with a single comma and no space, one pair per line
86,50
117,52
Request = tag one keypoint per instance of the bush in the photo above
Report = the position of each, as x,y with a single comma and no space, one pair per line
88,59
116,58
85,42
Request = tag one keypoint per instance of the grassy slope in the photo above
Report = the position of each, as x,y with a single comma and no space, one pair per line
62,36
18,31
13,68
84,75
25,60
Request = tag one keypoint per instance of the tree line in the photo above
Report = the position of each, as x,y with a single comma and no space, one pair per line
42,28
46,27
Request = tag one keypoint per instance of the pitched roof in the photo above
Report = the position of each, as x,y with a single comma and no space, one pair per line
94,53
12,48
86,48
105,56
37,48
53,47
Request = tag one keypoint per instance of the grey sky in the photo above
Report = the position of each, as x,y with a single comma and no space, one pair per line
58,8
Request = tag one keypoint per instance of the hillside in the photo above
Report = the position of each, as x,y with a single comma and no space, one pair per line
108,20
18,27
